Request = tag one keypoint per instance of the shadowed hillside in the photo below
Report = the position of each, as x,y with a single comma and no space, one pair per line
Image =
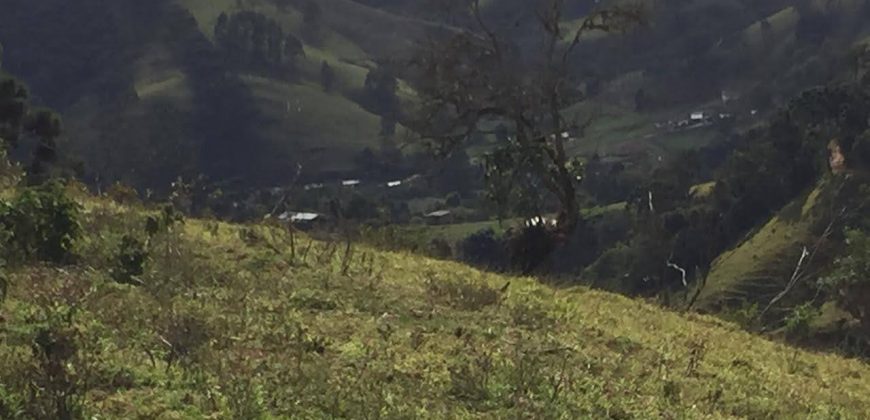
178,101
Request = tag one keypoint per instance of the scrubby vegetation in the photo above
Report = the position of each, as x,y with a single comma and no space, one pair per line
227,321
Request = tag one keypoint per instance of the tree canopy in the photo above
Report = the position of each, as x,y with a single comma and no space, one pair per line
479,76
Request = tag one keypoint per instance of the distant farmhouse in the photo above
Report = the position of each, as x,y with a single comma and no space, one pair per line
302,220
541,221
439,217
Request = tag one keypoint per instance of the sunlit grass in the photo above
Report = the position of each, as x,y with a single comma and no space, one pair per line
304,329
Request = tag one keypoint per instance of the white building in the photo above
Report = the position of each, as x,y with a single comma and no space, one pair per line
438,214
541,221
298,217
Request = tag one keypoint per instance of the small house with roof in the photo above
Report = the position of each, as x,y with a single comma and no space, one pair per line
438,217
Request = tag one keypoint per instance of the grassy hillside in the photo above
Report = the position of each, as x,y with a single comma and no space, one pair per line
246,322
154,69
761,264
321,130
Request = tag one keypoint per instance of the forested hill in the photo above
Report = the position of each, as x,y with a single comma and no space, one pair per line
148,91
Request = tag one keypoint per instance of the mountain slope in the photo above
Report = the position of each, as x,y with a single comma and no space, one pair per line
154,64
136,80
759,267
238,321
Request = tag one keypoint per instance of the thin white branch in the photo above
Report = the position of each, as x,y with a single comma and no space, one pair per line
651,207
798,273
682,272
795,276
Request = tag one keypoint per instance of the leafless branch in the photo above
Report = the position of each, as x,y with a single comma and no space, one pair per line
608,20
806,258
493,39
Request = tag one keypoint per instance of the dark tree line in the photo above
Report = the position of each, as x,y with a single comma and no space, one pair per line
24,126
253,42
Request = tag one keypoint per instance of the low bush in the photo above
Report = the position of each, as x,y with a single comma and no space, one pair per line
530,248
483,249
122,194
40,223
849,282
129,261
461,294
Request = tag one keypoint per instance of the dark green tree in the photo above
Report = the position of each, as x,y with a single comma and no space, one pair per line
45,127
327,76
19,121
13,110
380,91
252,41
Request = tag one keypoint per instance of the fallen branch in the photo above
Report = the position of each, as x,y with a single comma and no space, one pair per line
791,283
805,259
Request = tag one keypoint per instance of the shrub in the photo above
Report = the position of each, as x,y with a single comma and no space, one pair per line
531,247
797,324
461,294
59,387
184,335
53,378
530,314
122,194
129,262
849,282
10,172
484,249
439,248
40,223
746,315
163,222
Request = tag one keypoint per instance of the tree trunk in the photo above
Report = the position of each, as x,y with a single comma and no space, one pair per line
569,213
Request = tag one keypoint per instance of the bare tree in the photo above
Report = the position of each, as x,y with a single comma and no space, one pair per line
478,76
